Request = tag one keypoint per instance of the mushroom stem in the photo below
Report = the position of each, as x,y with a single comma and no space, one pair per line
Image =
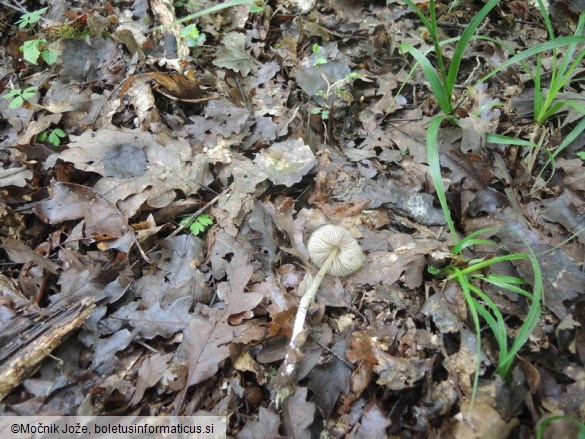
307,299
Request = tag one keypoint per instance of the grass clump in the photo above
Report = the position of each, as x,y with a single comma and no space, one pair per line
470,274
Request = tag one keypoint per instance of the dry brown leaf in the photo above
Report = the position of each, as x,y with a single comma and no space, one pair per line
68,201
482,422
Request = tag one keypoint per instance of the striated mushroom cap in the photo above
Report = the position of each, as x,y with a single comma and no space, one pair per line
328,238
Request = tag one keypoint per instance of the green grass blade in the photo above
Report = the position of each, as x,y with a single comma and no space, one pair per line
430,73
435,168
539,48
495,321
538,95
211,10
506,140
505,285
463,43
469,242
546,17
569,138
422,17
472,305
489,262
531,319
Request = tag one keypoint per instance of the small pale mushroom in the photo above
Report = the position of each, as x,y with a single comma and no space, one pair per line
337,253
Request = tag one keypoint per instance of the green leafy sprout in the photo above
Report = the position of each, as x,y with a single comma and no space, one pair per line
197,225
32,49
54,136
335,88
192,35
31,18
18,96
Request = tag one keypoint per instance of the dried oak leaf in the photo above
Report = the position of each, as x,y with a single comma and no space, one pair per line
286,162
210,332
70,201
298,414
149,374
265,426
330,379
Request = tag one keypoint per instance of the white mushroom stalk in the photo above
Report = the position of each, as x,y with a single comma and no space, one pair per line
338,254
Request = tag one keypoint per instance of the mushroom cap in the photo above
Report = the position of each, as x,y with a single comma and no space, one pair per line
325,239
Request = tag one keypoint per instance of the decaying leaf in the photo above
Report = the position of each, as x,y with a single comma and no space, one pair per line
286,162
103,221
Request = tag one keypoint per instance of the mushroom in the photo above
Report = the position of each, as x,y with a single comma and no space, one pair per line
337,252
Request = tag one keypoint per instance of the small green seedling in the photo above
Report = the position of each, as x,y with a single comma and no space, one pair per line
256,9
322,111
321,60
197,225
581,155
192,36
32,49
18,96
53,136
31,18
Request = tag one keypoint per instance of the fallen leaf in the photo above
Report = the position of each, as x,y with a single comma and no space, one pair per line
298,414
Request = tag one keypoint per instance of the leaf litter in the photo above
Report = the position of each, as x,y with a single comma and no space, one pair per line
279,123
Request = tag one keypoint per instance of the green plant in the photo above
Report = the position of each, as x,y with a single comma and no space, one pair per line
545,422
469,273
54,136
547,101
18,96
198,224
69,30
335,88
193,36
271,372
33,48
442,80
31,18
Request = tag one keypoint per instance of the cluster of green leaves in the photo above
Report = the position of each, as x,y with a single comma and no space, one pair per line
197,225
547,100
32,49
31,18
54,136
335,88
192,35
18,96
